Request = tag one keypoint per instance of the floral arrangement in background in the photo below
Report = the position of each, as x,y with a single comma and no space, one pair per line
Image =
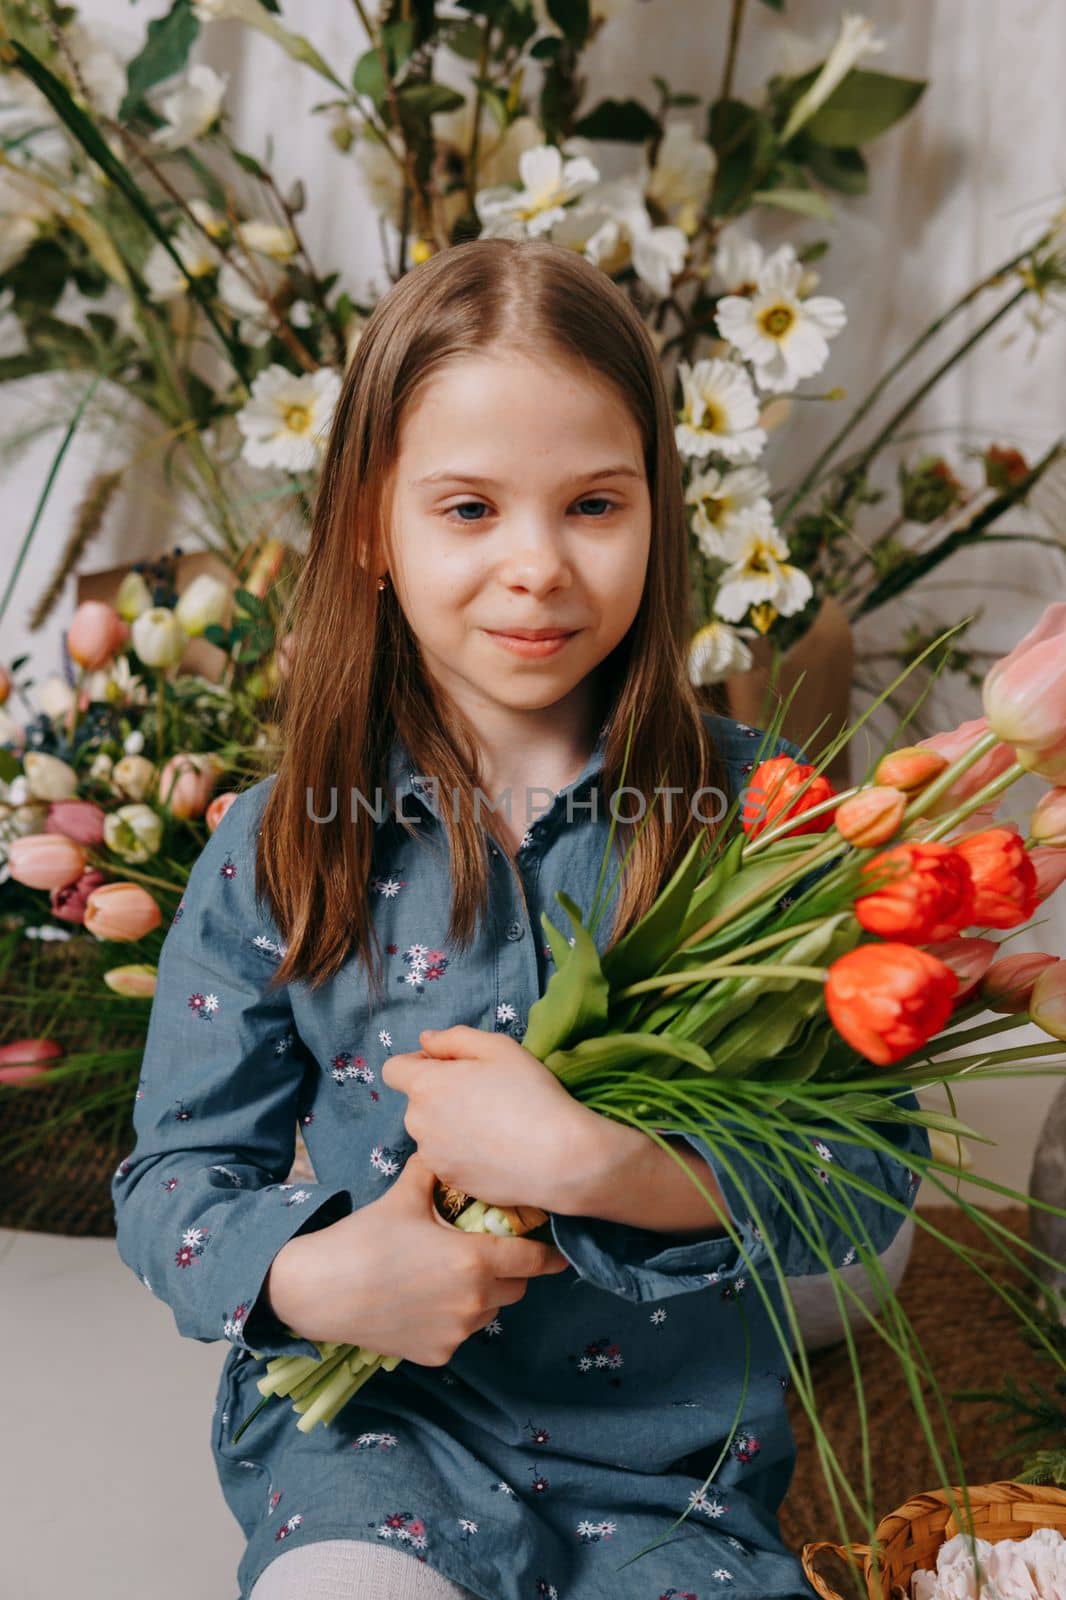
146,250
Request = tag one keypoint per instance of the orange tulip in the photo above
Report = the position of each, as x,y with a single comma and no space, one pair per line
909,769
771,797
871,817
1004,878
924,893
96,632
888,999
121,911
1008,983
218,808
45,860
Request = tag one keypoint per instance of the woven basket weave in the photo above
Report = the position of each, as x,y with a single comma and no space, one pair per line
911,1536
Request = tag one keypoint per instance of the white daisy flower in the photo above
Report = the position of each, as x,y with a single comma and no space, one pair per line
164,278
190,108
658,1316
286,420
99,68
210,1002
759,572
385,1038
505,1012
549,181
611,228
383,176
783,336
389,887
717,497
681,179
719,412
467,1525
238,295
738,261
268,239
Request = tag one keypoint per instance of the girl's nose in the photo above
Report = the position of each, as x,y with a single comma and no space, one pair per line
536,560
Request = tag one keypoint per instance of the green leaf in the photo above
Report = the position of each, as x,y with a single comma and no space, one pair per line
399,41
573,17
424,100
166,49
575,1002
546,49
10,766
641,951
863,106
368,76
247,601
616,1051
807,202
775,5
465,40
624,120
844,170
743,139
214,634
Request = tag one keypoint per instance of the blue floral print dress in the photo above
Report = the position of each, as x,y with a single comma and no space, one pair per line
584,1419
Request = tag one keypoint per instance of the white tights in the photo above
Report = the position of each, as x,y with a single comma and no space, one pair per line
353,1569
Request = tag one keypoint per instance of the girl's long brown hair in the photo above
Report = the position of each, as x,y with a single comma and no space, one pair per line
356,678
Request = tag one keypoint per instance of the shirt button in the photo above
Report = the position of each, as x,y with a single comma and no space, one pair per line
515,930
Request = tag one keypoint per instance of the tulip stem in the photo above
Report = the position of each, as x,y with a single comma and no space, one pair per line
976,801
948,1041
129,872
780,828
933,791
754,969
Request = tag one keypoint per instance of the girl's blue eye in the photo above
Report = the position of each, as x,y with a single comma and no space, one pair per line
479,505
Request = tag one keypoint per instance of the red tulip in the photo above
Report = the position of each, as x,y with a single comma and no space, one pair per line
771,797
889,999
45,860
121,911
77,819
24,1060
924,893
1008,983
68,903
1004,878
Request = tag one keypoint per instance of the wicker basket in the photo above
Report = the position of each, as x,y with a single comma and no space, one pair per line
911,1536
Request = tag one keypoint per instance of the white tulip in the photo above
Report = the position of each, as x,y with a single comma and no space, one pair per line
48,778
201,603
133,776
158,637
55,696
133,832
134,596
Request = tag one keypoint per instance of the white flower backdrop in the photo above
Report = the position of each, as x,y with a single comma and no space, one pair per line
966,178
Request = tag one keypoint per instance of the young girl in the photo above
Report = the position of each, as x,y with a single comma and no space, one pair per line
501,468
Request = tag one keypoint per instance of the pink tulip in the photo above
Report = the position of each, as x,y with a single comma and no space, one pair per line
121,911
136,982
984,817
1008,983
68,904
45,860
96,631
1048,822
969,960
956,743
186,783
1024,694
76,819
218,808
1050,864
1049,763
26,1060
1047,1003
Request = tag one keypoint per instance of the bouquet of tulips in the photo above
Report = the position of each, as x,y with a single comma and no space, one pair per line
798,971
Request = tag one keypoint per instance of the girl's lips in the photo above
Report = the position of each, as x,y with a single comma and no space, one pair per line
531,647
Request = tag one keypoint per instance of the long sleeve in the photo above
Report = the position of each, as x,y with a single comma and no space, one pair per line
201,1206
639,1264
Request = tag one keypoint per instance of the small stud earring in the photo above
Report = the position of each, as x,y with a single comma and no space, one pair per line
382,583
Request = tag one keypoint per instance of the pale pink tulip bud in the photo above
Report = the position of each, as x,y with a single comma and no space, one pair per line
68,904
909,769
1008,983
1050,864
955,744
96,632
24,1060
5,685
1047,1003
1049,764
45,860
136,982
187,782
1024,694
218,808
1048,822
969,960
871,817
121,911
77,819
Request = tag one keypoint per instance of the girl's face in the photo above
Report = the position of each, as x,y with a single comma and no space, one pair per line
520,503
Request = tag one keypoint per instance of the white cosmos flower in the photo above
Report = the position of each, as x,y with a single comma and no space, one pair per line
213,222
785,338
720,412
718,498
758,572
238,295
611,227
715,652
383,176
738,261
99,68
164,279
286,421
681,179
855,41
549,181
190,108
267,239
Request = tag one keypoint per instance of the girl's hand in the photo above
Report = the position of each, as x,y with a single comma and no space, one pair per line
491,1120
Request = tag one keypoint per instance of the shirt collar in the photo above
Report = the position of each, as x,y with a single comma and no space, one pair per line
405,780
